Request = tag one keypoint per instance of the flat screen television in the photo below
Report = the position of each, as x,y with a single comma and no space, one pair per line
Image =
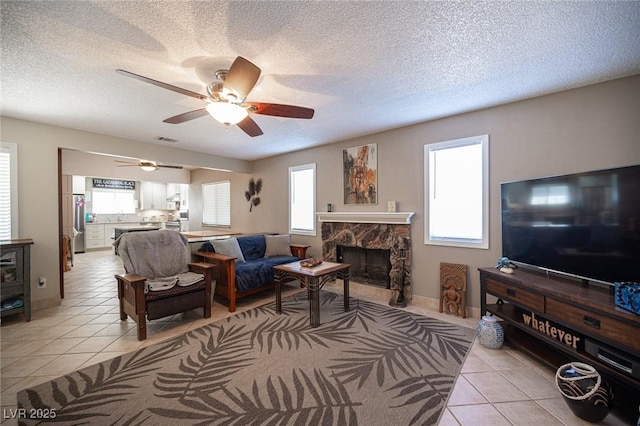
586,225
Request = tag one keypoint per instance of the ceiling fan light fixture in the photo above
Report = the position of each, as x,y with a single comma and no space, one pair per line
148,166
227,113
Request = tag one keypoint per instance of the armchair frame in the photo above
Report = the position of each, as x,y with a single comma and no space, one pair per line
139,306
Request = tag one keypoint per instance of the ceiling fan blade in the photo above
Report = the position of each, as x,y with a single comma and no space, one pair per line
163,85
167,166
126,163
278,110
191,115
250,127
243,75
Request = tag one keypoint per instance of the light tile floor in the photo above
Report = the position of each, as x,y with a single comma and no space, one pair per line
495,387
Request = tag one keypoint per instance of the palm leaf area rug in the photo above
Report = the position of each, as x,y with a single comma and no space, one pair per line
372,365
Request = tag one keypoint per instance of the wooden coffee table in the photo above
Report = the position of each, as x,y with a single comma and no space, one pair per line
313,278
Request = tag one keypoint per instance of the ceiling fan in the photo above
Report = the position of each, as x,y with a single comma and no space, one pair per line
226,98
147,166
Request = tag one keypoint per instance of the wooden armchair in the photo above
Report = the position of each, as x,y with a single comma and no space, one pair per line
160,280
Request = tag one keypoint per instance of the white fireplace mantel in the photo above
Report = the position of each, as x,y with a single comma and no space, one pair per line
366,217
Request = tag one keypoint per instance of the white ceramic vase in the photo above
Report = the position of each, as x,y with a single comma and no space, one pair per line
490,333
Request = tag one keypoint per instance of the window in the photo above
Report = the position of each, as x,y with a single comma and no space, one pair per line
8,191
113,202
216,203
302,199
550,194
457,191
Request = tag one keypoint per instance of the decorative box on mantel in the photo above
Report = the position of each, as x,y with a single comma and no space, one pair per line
372,230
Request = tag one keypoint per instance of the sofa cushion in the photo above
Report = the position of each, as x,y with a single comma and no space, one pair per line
252,246
277,245
228,247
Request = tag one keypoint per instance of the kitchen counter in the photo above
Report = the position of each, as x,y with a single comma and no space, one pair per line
134,228
197,236
129,222
119,230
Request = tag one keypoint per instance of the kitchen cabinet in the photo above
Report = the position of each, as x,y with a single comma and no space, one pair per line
94,236
15,285
184,196
173,189
153,195
102,235
109,234
178,193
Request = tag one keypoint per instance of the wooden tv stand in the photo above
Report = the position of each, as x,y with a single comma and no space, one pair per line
552,317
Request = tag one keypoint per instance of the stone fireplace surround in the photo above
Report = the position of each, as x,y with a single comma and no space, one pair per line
389,231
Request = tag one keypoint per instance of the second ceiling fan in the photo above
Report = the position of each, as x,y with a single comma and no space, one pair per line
226,98
147,166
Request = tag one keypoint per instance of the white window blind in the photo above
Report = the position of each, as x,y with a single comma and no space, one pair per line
8,191
216,203
302,199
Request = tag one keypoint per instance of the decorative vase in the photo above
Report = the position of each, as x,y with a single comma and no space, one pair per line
587,395
490,333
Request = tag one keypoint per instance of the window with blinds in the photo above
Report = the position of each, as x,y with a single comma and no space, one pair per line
216,203
8,191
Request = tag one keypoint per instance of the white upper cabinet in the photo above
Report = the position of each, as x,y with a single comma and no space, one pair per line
153,195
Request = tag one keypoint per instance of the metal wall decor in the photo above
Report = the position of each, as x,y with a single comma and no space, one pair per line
251,194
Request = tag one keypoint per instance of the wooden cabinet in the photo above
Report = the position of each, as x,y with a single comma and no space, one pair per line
596,324
153,195
559,320
521,296
15,285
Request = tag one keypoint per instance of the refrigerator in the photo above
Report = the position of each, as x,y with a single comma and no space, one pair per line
78,222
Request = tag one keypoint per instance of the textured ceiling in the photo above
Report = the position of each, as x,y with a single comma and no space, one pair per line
364,67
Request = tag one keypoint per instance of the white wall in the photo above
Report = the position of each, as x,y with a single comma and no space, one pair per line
584,129
242,221
94,165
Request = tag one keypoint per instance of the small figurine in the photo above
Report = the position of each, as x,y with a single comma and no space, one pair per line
505,265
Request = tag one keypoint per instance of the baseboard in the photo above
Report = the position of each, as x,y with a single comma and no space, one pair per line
385,294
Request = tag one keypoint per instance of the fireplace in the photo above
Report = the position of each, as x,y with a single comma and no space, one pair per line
368,265
378,234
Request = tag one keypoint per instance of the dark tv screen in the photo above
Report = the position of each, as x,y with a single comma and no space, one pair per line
586,225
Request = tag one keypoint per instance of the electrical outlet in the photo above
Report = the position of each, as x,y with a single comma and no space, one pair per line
42,282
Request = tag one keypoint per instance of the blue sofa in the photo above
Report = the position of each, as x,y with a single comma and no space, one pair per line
249,272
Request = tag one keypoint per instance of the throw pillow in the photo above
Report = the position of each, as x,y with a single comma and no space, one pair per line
228,247
277,245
